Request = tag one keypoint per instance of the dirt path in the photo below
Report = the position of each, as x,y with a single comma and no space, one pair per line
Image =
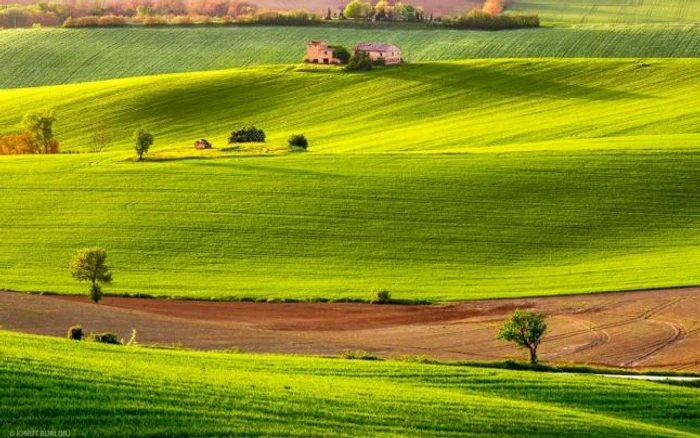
655,329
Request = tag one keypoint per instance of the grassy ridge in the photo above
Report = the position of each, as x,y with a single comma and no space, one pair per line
118,53
611,11
443,107
94,390
588,181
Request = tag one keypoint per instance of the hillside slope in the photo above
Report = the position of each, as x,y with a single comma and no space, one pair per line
611,11
442,107
585,180
94,390
119,53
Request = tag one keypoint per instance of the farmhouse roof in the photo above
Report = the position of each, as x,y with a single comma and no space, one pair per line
376,47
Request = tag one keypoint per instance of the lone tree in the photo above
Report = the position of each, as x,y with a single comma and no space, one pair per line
90,265
40,126
525,329
142,141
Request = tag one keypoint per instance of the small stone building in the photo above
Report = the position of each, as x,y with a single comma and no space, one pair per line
390,53
319,52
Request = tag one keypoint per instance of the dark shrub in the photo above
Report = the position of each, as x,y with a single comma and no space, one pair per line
105,338
382,297
342,54
298,141
380,62
75,333
359,62
250,134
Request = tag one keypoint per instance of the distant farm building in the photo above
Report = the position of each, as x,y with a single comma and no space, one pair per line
390,53
202,144
320,52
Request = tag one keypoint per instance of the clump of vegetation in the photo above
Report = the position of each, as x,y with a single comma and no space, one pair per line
250,134
37,137
525,329
105,338
481,20
382,296
342,54
143,140
298,141
75,333
90,264
360,61
358,355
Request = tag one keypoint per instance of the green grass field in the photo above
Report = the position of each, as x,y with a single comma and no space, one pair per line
48,56
611,11
436,181
95,390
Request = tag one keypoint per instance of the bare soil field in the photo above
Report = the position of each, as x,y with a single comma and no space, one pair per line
653,329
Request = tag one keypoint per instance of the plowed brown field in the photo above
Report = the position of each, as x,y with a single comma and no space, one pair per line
654,329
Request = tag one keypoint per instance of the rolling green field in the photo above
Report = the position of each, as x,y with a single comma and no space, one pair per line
95,390
438,181
35,57
611,11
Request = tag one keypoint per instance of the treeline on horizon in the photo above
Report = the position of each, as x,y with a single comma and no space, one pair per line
115,13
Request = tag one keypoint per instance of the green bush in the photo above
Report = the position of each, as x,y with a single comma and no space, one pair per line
298,141
381,297
105,338
341,53
75,333
250,134
359,62
380,62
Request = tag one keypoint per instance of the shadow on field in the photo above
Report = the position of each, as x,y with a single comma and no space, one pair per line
520,80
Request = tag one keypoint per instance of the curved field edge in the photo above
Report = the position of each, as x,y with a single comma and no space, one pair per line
200,394
119,53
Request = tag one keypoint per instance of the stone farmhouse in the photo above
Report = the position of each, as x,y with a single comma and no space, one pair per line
319,52
390,53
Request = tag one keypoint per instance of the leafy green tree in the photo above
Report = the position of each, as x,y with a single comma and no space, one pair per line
90,264
358,9
341,53
142,142
40,126
359,62
525,329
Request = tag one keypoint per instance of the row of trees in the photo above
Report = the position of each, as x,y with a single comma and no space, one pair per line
56,13
478,19
383,11
261,18
37,136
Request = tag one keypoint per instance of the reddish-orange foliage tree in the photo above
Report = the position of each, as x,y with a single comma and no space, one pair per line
493,7
24,143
